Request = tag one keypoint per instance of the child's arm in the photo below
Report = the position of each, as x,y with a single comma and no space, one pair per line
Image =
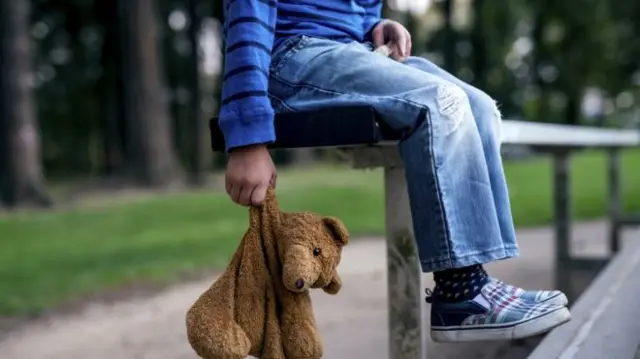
246,115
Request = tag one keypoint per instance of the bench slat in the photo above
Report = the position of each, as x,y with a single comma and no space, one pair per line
546,134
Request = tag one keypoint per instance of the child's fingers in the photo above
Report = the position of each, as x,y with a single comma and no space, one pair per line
258,195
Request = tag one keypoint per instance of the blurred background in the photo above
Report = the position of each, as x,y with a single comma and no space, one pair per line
107,183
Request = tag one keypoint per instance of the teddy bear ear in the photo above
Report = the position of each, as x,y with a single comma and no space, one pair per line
337,229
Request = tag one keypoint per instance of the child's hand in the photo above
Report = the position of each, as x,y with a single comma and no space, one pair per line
395,36
250,171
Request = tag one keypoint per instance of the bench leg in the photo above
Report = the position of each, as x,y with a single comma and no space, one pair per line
562,226
614,201
405,290
618,220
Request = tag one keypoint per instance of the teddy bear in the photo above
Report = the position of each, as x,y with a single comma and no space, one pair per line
261,305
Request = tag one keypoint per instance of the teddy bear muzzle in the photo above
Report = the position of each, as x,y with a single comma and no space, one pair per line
298,283
300,270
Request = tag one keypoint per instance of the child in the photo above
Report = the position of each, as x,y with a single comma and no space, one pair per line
295,55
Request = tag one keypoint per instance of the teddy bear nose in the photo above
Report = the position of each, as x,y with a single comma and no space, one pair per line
299,283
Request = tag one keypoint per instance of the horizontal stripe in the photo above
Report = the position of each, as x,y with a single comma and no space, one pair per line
243,95
306,15
243,69
292,26
270,3
342,11
370,5
242,44
251,20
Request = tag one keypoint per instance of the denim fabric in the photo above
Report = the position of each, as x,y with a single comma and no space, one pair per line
457,191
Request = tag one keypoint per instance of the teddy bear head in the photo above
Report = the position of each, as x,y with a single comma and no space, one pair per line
310,247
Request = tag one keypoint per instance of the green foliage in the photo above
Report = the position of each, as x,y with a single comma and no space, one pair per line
538,57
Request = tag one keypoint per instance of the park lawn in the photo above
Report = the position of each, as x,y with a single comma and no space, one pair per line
49,258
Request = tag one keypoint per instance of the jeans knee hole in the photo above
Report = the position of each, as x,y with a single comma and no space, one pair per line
452,104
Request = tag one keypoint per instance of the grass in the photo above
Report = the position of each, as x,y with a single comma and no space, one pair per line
49,258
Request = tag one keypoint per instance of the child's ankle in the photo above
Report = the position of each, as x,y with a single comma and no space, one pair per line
459,284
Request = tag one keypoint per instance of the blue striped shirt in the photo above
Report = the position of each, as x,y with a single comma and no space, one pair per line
252,29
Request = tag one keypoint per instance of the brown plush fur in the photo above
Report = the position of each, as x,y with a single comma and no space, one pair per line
260,306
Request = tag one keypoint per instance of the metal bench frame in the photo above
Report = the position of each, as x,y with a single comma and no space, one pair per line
358,132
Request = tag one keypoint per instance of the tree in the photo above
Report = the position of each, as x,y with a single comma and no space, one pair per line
111,87
199,152
450,37
152,159
479,43
21,177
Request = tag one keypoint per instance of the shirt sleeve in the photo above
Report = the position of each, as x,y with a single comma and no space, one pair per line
246,114
373,15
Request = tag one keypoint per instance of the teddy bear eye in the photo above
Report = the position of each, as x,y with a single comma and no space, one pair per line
316,252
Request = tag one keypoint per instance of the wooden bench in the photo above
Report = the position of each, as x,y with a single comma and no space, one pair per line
358,131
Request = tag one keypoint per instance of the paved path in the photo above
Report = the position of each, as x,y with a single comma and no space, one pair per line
353,324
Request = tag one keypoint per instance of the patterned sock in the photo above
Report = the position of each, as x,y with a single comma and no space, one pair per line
460,284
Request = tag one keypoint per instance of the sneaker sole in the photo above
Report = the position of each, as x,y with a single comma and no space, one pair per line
526,329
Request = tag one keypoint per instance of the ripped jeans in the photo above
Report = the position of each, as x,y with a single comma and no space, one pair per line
457,190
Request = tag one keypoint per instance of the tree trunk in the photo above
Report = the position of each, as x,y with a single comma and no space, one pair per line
173,65
449,37
572,110
542,113
21,177
479,44
110,92
152,160
199,153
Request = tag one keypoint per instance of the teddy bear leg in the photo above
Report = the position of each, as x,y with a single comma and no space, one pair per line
300,335
302,341
212,332
272,344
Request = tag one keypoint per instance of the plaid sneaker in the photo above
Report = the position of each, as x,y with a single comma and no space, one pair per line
499,312
554,297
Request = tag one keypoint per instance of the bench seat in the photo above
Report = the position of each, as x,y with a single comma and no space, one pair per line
333,127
